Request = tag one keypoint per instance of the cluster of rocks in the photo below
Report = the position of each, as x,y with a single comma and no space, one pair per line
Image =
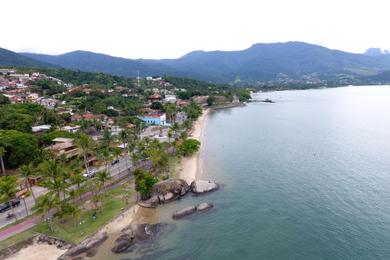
173,189
40,239
87,247
202,207
200,186
134,233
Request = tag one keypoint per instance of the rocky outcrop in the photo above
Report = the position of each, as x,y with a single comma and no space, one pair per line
124,241
200,186
184,212
53,241
166,191
134,233
202,207
177,187
85,246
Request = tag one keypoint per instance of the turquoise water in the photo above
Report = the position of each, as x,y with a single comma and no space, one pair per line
305,178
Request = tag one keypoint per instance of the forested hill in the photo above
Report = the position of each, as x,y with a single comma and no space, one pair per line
272,63
10,58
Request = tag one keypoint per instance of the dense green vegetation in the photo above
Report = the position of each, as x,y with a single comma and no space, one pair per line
47,87
20,148
77,77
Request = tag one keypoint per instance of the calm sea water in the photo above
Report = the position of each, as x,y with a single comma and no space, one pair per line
305,178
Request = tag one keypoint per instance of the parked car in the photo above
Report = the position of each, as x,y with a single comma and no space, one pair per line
7,205
114,162
91,173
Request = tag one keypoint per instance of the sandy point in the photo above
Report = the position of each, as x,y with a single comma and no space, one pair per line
191,167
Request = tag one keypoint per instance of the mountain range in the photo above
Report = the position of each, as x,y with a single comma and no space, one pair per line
262,63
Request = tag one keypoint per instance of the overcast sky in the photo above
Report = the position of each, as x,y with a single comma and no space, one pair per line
171,28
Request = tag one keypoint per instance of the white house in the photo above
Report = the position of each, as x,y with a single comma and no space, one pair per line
71,129
170,99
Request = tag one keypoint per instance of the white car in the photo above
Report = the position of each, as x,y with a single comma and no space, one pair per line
91,173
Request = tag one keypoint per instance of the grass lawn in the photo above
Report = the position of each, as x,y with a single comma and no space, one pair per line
76,230
17,238
174,163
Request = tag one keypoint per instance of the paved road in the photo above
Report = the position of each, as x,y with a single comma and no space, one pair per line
34,220
20,211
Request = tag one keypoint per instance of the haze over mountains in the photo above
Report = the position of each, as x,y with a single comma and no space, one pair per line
290,62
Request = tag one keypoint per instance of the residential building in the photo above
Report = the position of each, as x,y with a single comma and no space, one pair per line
155,119
64,146
170,99
71,129
40,128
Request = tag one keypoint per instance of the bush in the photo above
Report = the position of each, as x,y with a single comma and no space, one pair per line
189,147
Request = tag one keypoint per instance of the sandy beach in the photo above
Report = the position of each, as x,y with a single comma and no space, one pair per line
37,252
191,167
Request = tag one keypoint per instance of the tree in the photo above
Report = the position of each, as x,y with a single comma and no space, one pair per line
123,136
2,153
77,178
21,148
103,177
43,206
170,110
27,170
144,183
55,174
157,106
84,143
8,190
4,100
210,101
193,110
189,147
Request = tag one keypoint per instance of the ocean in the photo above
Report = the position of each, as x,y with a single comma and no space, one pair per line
307,177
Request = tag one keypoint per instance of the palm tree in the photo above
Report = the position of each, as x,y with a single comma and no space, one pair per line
27,171
123,136
55,173
43,206
107,138
117,152
85,143
2,153
8,190
103,177
77,178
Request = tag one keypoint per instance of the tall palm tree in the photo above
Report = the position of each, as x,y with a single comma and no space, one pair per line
124,137
43,206
103,177
117,152
55,173
85,144
2,153
27,170
77,178
8,190
107,138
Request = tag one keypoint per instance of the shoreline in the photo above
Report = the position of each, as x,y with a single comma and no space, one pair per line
191,168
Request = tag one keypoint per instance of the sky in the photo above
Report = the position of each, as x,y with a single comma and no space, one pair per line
171,28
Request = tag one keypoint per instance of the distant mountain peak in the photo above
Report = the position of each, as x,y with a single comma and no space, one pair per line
376,52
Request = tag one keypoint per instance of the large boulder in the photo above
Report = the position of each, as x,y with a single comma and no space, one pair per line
201,186
184,212
149,203
177,187
204,206
85,246
134,233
